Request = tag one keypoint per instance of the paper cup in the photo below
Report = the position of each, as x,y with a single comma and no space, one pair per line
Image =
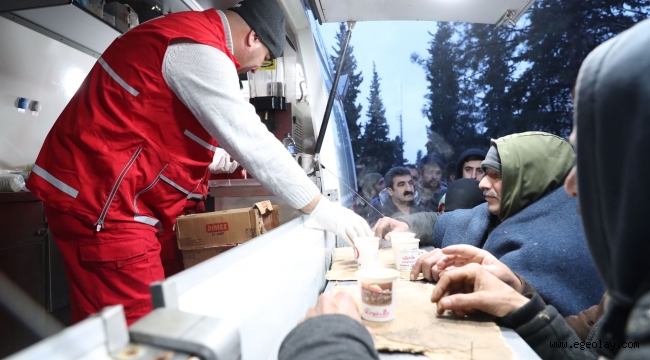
402,235
366,251
377,287
405,252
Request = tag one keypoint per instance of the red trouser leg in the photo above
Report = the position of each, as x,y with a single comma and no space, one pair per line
172,259
109,267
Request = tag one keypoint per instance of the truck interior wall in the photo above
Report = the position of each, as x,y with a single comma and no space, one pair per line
37,68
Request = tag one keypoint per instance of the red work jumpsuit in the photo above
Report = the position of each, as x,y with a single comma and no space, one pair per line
120,164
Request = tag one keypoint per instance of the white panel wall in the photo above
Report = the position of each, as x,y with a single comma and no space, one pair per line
38,68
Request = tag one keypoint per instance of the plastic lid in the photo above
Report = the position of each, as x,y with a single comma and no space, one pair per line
376,275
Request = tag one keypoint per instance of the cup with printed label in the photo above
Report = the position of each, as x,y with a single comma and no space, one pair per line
405,252
377,287
366,251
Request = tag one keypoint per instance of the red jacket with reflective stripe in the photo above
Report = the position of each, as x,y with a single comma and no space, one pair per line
126,151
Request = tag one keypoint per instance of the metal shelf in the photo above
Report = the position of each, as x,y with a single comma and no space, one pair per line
79,28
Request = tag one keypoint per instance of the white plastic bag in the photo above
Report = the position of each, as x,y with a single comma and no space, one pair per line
11,183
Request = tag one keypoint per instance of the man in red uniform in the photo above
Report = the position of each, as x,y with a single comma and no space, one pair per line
133,145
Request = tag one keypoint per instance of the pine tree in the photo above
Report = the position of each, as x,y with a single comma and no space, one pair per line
378,150
350,107
418,158
449,102
489,56
559,37
399,151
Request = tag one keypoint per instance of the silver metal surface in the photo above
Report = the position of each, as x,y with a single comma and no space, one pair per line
85,340
473,11
117,335
188,279
207,337
264,286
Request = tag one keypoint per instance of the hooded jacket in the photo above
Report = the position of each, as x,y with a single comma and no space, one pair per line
613,124
538,233
532,165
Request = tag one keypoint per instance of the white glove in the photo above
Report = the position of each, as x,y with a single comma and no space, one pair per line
222,162
341,221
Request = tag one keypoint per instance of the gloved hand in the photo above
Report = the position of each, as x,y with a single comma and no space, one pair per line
222,162
341,221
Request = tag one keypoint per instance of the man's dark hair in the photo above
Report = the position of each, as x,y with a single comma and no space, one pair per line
411,166
396,171
432,159
450,170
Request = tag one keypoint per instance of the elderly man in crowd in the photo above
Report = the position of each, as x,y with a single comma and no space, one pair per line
385,198
522,186
401,191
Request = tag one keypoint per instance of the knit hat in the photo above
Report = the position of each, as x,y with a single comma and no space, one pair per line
492,160
266,18
463,158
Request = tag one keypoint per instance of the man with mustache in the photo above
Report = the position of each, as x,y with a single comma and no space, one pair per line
529,223
400,187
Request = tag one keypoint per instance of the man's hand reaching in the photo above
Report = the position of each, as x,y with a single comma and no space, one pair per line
386,225
459,255
469,288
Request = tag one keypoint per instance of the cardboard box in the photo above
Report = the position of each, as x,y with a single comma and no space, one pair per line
202,236
193,257
110,19
96,7
125,17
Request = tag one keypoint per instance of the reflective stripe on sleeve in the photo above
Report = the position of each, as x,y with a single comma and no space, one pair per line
55,182
200,141
168,181
195,196
146,220
117,78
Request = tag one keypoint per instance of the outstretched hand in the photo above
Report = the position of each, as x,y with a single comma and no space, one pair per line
427,265
471,287
460,255
341,303
386,225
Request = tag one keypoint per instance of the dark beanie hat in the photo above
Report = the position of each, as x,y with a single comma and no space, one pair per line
266,18
462,159
492,160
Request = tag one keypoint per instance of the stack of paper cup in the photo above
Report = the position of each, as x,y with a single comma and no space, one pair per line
366,251
377,293
405,250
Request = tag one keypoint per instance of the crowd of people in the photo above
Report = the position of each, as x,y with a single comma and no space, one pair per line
553,244
423,187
